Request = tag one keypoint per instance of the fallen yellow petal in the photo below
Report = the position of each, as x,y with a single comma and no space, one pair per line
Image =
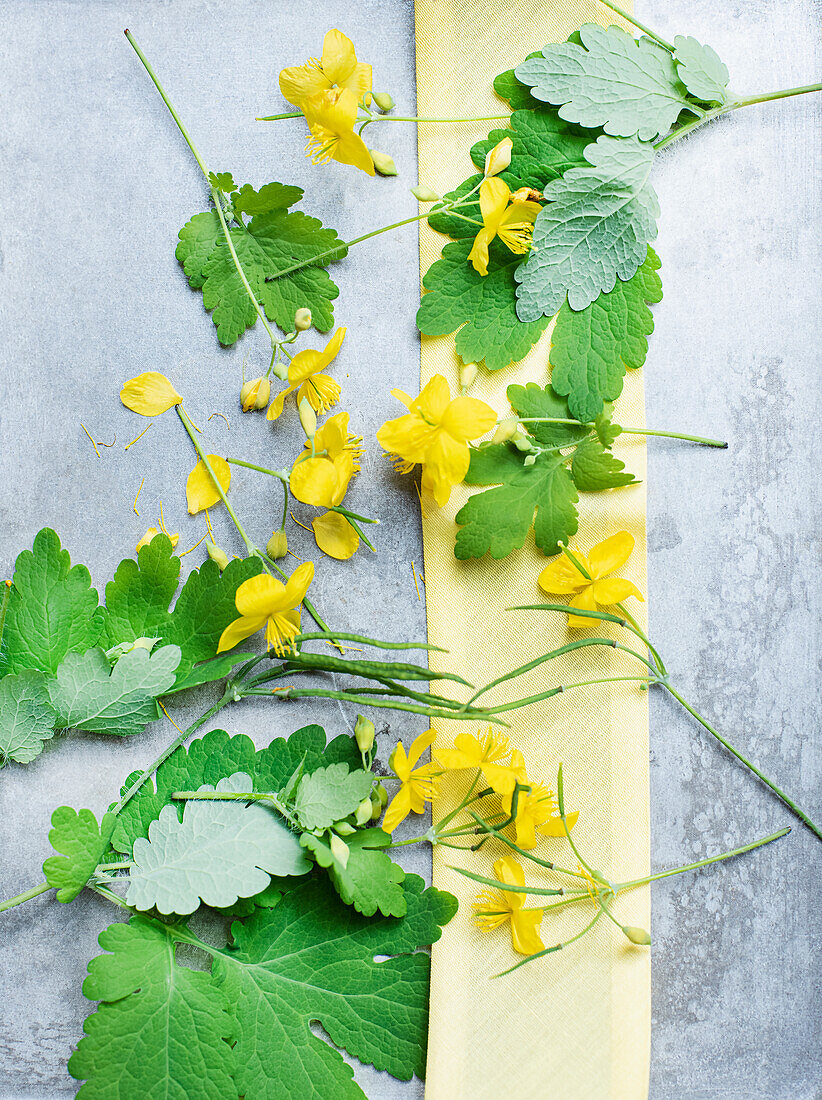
201,492
335,536
149,394
152,533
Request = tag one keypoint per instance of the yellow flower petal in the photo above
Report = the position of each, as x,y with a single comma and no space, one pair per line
468,418
201,491
335,536
238,631
311,361
281,628
553,826
314,481
407,436
298,584
276,407
149,394
494,195
299,82
479,251
525,939
614,590
260,596
610,554
339,59
585,601
561,578
419,745
446,464
152,533
333,435
433,400
321,391
398,810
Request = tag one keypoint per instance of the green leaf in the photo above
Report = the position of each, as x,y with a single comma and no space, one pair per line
701,71
274,240
532,400
606,430
90,695
483,308
330,794
52,608
518,94
592,347
270,197
82,843
162,1031
370,880
593,468
628,87
595,229
137,606
223,181
219,852
312,959
27,718
216,756
498,520
544,147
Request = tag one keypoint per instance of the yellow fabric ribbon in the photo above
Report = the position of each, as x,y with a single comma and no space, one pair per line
576,1024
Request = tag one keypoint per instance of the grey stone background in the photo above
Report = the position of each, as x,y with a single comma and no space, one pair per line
95,182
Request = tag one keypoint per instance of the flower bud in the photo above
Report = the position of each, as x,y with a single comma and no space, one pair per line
277,545
526,194
363,813
637,935
364,733
499,157
383,163
384,101
522,442
308,418
379,800
425,194
339,849
255,394
344,828
468,375
302,319
506,430
529,460
216,554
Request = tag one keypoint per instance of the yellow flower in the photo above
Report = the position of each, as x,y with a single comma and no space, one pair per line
536,813
149,394
563,578
152,533
265,602
513,224
417,785
335,536
493,908
491,753
304,376
322,479
435,433
331,117
502,778
499,158
338,67
201,492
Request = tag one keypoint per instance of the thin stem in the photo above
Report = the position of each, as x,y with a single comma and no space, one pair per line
260,469
365,640
392,118
172,111
640,26
561,804
494,830
704,862
783,93
625,431
556,947
635,628
789,802
387,704
172,747
26,895
518,703
353,523
215,194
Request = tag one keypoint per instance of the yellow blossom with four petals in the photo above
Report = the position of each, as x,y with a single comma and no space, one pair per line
512,222
536,813
418,785
336,68
306,377
263,601
494,908
435,433
322,478
331,117
563,578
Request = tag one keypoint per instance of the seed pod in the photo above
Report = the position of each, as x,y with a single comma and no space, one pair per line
425,194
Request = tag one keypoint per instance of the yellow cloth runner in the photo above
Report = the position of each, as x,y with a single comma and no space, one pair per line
576,1024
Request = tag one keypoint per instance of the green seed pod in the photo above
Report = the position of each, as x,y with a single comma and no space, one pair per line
343,828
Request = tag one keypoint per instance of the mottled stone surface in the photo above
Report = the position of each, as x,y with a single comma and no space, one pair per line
96,181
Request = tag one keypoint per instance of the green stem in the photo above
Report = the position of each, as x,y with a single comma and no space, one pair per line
745,101
364,640
549,950
625,431
789,802
384,704
557,691
704,862
640,26
260,469
561,805
392,118
27,895
215,194
353,523
635,628
228,697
